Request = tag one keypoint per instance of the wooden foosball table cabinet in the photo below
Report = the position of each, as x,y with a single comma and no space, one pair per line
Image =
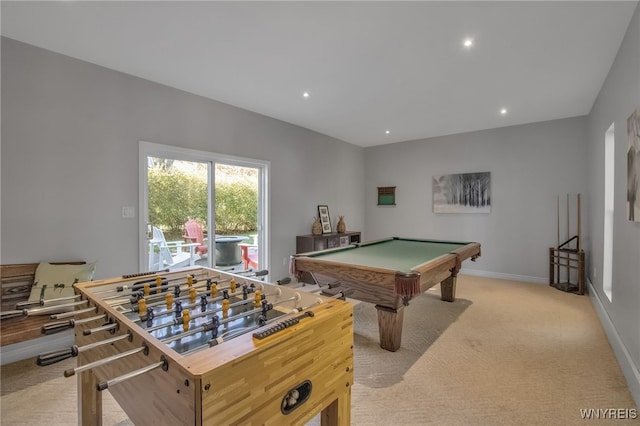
200,346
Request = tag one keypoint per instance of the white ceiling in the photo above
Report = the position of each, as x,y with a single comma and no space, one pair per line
368,66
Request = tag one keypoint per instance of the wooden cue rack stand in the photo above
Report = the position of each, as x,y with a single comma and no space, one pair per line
567,259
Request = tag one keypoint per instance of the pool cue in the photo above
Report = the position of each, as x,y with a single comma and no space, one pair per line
568,236
557,260
579,225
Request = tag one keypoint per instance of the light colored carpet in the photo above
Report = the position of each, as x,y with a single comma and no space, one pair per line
504,353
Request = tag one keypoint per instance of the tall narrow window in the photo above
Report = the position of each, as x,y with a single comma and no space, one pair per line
609,167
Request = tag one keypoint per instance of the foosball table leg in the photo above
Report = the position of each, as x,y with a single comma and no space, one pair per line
338,413
89,400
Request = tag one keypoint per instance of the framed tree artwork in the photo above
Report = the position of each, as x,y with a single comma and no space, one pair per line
462,193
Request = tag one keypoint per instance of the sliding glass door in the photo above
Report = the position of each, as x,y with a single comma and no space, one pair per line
201,208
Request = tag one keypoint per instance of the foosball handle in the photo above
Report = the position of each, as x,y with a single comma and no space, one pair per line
14,314
56,326
56,356
283,281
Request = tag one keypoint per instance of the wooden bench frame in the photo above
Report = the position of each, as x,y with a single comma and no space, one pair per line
16,282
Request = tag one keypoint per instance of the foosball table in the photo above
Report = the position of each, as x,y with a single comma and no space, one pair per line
199,346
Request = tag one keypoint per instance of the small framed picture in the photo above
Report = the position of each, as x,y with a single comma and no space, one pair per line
386,195
325,219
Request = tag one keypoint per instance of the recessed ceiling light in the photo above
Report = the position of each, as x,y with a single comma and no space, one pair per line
387,131
503,111
468,42
305,95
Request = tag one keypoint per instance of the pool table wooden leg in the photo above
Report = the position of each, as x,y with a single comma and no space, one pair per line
390,327
448,288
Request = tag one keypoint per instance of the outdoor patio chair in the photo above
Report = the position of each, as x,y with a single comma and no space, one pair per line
170,254
193,231
249,255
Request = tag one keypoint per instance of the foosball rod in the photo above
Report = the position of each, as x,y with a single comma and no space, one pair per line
105,385
180,321
72,371
328,286
134,307
44,302
46,310
294,311
206,286
236,333
208,311
121,288
112,326
73,313
231,334
169,286
58,326
52,357
139,284
165,285
223,321
150,297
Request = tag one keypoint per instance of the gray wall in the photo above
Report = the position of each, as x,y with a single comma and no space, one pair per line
618,98
530,166
70,133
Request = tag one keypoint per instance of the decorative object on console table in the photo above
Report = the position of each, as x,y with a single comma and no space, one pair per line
325,219
316,228
341,227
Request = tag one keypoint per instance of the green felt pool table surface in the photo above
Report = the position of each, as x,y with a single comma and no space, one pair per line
397,254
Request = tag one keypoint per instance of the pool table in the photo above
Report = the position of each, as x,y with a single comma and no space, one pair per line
388,273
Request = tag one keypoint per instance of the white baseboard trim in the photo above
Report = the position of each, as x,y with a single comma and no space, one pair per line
501,276
629,369
34,347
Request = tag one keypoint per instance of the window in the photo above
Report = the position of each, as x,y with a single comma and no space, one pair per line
201,208
609,168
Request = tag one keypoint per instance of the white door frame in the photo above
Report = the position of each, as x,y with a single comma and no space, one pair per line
150,149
